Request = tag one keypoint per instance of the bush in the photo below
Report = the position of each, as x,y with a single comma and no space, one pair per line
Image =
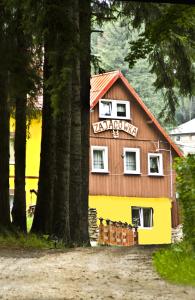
185,168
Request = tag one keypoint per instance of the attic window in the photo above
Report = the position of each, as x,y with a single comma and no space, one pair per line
106,108
114,109
121,110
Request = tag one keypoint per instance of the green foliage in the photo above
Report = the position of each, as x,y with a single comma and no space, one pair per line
185,168
176,264
20,55
168,40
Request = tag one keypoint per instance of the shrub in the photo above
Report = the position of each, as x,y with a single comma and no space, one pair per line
185,168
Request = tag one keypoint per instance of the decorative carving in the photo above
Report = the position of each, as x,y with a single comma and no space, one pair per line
115,134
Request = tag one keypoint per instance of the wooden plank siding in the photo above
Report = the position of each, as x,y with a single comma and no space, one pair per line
116,182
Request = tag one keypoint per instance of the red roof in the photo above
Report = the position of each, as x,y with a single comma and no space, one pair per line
101,83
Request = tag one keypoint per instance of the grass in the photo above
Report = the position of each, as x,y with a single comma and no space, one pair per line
176,264
25,241
20,240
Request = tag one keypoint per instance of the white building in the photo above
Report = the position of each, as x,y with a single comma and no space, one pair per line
184,136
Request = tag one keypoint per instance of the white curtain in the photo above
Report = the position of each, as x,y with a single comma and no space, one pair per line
98,159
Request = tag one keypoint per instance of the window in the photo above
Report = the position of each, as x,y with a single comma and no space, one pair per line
106,108
99,159
142,216
11,150
121,110
155,164
177,138
131,160
116,109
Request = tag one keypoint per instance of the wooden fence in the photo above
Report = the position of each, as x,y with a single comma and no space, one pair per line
117,233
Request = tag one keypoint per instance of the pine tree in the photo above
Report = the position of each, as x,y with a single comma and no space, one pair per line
19,88
42,222
4,117
85,32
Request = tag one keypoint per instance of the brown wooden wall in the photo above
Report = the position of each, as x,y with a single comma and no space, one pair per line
117,183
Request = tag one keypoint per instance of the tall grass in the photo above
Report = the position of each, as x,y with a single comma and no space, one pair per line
21,240
176,264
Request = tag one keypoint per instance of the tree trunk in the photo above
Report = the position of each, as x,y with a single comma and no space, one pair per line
62,90
4,154
19,87
75,141
42,221
19,205
85,30
4,125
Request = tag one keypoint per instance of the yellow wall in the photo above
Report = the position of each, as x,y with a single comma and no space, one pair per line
32,159
119,209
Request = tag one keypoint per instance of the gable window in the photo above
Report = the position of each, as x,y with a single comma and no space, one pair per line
142,216
121,110
155,164
11,149
131,160
106,108
99,158
115,109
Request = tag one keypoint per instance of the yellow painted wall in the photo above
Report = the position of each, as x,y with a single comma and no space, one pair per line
33,142
119,209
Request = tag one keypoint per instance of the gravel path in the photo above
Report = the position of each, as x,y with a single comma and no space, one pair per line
84,273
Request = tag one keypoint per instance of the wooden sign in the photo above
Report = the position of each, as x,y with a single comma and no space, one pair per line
115,125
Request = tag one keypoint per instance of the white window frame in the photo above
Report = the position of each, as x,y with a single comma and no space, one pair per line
137,158
114,109
160,173
141,216
105,158
11,140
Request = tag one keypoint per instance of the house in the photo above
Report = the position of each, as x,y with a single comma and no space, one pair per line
184,137
131,178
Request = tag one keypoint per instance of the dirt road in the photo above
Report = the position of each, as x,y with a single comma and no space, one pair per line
84,273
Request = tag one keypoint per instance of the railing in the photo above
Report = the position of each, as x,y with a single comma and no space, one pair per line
117,233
